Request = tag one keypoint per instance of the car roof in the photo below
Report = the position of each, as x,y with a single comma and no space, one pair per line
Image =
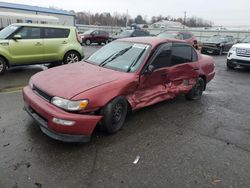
43,25
153,41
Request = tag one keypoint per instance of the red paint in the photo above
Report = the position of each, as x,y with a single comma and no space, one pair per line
100,85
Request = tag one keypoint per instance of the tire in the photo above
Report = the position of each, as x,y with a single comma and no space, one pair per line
71,57
221,51
87,42
230,66
196,92
203,51
114,115
99,43
3,66
107,41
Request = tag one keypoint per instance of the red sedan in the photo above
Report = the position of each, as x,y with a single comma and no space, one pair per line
182,35
67,102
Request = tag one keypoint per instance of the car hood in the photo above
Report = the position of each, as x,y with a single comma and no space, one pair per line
212,43
85,35
242,45
70,80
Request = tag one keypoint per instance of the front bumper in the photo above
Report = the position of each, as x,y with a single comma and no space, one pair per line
43,112
243,63
211,50
234,59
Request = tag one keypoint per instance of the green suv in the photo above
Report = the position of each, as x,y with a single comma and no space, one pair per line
26,44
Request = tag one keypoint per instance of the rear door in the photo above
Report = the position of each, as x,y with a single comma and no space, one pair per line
28,49
183,69
55,43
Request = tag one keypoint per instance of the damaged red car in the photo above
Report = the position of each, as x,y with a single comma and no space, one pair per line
68,102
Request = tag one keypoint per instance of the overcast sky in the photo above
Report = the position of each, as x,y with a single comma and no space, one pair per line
221,12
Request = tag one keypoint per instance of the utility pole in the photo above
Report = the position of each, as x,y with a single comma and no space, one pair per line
127,19
185,17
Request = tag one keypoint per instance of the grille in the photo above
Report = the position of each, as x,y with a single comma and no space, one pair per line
243,52
42,93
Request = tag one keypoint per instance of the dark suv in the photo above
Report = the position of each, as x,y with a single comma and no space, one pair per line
94,36
217,44
131,33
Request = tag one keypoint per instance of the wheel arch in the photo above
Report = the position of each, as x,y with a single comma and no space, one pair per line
7,62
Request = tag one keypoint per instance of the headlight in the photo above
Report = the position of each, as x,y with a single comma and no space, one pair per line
69,105
31,84
233,49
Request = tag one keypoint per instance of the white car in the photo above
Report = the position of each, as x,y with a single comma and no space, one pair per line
239,54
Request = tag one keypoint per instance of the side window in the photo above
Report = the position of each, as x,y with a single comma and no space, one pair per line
163,59
194,55
186,35
56,33
96,33
30,33
181,54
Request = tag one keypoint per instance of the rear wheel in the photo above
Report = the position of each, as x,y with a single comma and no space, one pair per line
3,66
114,115
71,57
197,90
87,42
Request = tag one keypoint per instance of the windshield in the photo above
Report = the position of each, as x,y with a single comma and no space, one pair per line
216,39
122,56
88,32
126,33
7,31
169,35
246,40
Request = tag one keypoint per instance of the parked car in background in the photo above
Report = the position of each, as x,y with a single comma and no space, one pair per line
217,44
182,35
26,44
131,33
125,75
239,54
95,36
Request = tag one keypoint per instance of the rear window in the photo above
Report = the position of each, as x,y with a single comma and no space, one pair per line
56,33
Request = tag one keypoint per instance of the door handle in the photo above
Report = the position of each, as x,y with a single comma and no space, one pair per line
196,68
164,75
38,44
64,42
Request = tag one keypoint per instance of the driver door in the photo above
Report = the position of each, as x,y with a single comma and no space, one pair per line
152,87
28,49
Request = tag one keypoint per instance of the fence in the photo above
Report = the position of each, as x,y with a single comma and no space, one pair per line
201,34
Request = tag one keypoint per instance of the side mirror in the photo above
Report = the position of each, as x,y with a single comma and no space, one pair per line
150,69
16,37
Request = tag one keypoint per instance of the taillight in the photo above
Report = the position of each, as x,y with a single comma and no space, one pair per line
79,39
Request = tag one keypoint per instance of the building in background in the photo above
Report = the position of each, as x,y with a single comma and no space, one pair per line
167,25
18,13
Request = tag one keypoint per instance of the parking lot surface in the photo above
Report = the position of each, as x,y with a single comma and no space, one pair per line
177,143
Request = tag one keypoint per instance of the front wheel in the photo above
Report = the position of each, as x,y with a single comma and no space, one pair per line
3,66
87,42
197,90
230,65
220,51
71,57
114,115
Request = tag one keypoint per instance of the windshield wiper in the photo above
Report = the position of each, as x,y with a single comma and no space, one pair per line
136,60
114,56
